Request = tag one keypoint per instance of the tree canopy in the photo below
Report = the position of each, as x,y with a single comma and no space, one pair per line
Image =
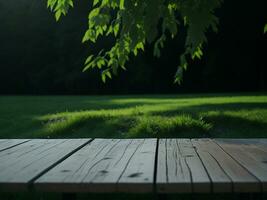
44,56
134,23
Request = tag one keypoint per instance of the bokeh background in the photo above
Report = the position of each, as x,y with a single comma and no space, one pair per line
41,56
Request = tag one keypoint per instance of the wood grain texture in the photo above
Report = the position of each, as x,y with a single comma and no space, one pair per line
128,165
139,173
23,163
105,165
250,154
9,143
179,168
242,180
208,151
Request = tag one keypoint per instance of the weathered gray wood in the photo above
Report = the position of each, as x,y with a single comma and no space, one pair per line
127,165
9,143
221,182
250,155
179,168
208,152
139,173
105,165
173,174
3,140
259,143
241,179
23,163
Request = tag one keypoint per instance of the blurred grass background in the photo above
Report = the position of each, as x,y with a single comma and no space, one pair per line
202,115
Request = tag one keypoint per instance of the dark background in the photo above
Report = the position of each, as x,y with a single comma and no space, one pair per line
41,56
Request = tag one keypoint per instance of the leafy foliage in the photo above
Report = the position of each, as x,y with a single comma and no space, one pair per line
135,22
59,7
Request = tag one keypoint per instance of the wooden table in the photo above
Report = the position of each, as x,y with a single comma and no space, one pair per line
134,165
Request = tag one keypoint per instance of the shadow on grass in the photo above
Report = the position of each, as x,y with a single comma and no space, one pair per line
235,127
205,120
196,109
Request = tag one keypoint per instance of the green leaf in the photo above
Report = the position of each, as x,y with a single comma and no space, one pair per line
183,62
89,35
140,45
121,4
58,14
51,4
116,29
89,59
185,20
265,29
123,67
89,65
100,61
104,2
103,76
198,53
95,2
108,74
93,13
156,51
179,75
71,3
159,43
110,29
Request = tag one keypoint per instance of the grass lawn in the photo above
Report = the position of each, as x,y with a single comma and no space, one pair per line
206,115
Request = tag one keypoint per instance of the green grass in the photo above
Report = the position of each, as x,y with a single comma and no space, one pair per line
221,115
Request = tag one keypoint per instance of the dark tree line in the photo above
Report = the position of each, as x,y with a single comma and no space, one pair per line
41,56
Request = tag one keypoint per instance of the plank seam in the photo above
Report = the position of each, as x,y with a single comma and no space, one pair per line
155,168
30,186
166,161
45,150
14,145
261,184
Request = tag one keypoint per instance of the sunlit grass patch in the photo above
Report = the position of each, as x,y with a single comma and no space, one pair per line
134,125
59,123
134,116
178,126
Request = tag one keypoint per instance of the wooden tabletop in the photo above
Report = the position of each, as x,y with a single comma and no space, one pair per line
134,165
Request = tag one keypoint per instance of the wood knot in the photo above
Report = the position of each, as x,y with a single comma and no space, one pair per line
65,170
134,175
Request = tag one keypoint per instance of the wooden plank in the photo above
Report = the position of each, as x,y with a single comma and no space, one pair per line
207,151
9,143
105,165
250,154
259,143
21,164
3,140
139,172
172,168
241,179
179,168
